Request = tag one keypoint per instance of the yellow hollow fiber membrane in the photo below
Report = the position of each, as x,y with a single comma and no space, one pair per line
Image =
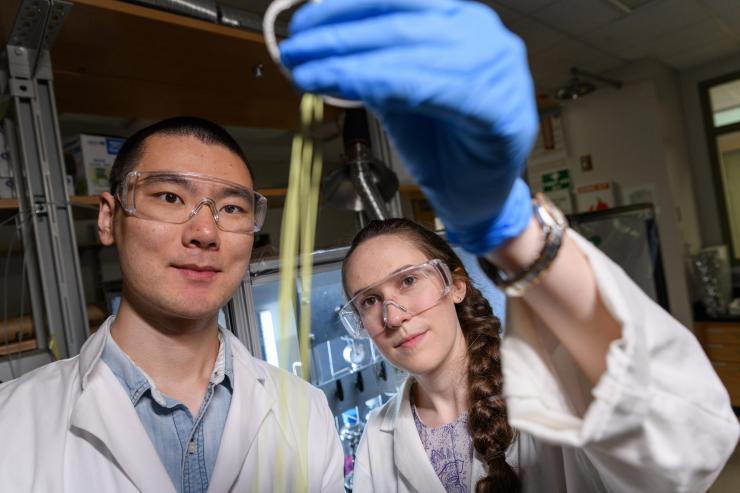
298,229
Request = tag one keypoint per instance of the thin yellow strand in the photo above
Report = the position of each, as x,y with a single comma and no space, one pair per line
299,223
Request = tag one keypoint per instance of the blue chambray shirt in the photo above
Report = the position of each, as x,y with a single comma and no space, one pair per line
186,445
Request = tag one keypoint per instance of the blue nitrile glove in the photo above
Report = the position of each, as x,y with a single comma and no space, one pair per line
452,87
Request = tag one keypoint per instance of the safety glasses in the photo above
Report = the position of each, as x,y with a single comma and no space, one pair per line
411,290
176,197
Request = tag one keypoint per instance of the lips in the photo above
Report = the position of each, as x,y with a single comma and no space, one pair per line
197,272
411,341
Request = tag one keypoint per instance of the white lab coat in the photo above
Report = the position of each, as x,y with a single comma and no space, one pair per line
69,426
658,420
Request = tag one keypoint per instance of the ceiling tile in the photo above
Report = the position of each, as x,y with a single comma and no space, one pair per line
688,39
625,36
524,6
536,36
725,8
578,16
704,53
507,14
566,54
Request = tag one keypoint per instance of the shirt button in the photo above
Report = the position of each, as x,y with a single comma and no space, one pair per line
192,447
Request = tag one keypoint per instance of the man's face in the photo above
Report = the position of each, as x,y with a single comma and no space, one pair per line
184,270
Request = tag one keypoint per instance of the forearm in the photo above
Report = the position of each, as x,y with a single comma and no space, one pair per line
566,298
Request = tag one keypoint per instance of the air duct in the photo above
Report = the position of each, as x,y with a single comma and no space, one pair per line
363,184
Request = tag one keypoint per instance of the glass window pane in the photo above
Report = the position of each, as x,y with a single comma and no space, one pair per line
725,102
728,149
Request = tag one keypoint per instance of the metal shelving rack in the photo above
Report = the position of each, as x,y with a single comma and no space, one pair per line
45,215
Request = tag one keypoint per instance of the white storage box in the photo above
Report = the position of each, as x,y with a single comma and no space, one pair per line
93,157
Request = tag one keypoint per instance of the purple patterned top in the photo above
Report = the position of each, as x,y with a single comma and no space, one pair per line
450,450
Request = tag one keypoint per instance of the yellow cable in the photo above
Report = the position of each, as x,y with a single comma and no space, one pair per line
299,223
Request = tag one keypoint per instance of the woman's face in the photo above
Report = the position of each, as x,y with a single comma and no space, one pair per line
418,343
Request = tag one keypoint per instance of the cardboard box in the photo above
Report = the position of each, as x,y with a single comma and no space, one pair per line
92,157
595,197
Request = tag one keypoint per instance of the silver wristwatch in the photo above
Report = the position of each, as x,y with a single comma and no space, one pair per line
554,224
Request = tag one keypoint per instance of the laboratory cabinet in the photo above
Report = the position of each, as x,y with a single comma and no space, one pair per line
721,342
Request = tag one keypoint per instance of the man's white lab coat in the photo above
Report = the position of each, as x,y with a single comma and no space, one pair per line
659,419
69,426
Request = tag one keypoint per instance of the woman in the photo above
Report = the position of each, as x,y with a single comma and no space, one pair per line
636,426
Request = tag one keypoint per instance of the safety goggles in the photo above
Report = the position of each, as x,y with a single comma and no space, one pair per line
175,197
411,290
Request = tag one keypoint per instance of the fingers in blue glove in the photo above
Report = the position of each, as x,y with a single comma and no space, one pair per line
329,12
395,30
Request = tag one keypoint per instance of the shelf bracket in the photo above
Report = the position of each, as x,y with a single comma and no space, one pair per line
36,27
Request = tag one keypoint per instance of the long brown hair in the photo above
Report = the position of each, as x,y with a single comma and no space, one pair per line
487,420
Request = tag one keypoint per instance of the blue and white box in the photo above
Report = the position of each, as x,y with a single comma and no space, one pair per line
93,157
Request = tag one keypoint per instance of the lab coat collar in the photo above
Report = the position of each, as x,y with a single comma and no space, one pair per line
92,350
408,451
105,417
410,457
104,412
250,405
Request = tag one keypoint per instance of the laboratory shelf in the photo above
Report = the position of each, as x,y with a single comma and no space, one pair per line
118,59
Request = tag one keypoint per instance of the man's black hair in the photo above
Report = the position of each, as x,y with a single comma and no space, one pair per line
181,126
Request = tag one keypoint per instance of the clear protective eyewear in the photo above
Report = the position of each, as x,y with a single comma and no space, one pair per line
411,290
176,197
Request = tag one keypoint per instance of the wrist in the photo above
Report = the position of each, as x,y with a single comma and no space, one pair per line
511,266
521,251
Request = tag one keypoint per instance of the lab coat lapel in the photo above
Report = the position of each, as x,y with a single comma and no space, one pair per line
104,411
250,405
408,451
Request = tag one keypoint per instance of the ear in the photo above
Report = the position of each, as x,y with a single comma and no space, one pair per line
106,211
458,289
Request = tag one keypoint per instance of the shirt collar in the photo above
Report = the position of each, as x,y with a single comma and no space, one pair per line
223,370
136,382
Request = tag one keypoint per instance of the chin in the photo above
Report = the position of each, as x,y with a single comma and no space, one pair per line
417,364
196,309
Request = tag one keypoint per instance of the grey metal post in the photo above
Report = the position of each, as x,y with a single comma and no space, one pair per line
384,151
36,155
242,316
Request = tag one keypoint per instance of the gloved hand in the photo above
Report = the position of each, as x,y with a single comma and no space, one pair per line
452,88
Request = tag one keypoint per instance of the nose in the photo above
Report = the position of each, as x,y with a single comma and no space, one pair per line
201,229
394,314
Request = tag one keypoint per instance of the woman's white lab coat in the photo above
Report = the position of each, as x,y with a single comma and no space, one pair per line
659,419
69,426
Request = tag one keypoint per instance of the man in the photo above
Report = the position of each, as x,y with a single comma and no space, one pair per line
160,398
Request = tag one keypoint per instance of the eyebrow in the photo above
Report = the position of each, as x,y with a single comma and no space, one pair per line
229,191
376,283
226,191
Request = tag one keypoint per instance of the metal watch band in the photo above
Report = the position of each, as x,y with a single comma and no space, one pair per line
554,225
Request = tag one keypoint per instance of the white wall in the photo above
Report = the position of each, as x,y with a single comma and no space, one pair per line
635,138
701,167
